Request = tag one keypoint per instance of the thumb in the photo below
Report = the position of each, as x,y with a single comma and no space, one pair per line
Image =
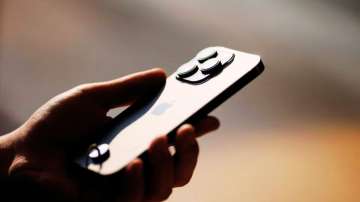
124,90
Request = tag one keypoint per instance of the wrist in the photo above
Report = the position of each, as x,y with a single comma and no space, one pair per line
7,153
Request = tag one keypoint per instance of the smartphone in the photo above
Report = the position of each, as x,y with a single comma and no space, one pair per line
197,87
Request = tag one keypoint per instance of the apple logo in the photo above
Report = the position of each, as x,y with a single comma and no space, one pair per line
161,108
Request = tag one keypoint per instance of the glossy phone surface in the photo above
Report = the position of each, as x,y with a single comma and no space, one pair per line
199,86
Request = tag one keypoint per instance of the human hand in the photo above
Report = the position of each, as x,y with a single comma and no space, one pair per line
43,146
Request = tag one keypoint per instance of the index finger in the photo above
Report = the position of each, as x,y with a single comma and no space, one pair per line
124,90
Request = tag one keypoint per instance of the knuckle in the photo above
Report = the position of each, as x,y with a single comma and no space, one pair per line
82,88
82,91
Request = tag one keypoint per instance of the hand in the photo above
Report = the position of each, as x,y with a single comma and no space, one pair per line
43,146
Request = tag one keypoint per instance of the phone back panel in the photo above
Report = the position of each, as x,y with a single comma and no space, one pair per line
177,103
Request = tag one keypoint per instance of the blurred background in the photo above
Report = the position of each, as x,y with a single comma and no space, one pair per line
291,135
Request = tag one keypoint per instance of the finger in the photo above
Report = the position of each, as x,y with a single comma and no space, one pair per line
134,179
187,151
159,171
206,125
124,90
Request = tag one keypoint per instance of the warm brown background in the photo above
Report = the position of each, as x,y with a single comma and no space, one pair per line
292,135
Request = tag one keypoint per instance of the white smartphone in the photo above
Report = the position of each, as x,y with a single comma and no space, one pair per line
194,90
